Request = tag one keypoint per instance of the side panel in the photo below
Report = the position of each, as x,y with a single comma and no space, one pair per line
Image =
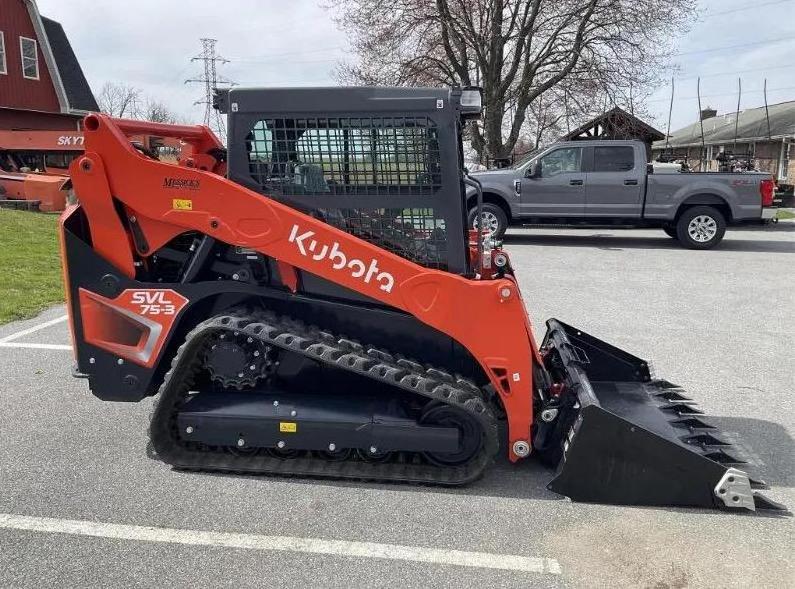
739,191
560,190
92,276
616,174
748,200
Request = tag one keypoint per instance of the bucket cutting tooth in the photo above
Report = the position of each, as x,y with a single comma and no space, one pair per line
681,409
705,440
664,384
692,423
762,502
673,395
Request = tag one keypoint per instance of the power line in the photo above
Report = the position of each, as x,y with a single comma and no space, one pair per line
288,53
739,46
735,72
269,58
304,83
268,62
723,94
210,79
741,9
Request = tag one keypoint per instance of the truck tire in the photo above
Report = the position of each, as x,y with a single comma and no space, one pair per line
496,219
670,231
701,228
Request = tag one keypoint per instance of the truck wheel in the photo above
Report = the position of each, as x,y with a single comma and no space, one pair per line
670,231
494,219
701,228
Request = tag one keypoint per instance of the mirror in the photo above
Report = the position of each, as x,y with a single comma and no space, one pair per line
533,170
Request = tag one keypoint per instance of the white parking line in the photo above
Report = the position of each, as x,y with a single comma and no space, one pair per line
485,560
35,346
33,329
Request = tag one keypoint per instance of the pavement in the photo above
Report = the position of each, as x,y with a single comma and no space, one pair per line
81,505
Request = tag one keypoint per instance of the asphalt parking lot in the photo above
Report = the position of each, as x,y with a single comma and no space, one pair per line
81,505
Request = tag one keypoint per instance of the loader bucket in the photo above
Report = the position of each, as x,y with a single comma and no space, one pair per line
628,439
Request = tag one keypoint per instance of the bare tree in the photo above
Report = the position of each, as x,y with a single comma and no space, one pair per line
520,51
120,100
124,101
158,112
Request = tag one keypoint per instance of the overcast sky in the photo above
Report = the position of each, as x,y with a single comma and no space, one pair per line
149,43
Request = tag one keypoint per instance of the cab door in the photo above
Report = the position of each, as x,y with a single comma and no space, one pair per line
557,186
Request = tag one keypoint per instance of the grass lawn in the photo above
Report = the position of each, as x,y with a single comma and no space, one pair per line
30,264
785,215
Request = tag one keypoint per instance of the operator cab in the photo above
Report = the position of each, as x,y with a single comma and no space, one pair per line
383,164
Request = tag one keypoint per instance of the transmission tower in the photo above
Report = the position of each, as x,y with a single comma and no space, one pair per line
211,80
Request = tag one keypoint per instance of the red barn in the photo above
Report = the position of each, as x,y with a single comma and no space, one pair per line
42,86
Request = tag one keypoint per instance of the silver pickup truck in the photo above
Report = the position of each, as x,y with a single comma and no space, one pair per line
601,183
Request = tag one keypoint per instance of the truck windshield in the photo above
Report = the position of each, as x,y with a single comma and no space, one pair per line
525,159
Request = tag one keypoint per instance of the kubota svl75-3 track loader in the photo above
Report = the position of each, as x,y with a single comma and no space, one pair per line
310,302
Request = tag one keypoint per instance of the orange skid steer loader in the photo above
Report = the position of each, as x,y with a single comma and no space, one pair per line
310,302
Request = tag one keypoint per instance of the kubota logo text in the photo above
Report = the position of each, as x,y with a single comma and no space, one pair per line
153,302
309,247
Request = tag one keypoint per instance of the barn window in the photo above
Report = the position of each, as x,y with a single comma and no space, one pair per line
30,58
3,68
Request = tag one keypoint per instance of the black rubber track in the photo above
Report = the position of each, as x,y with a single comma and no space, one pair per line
296,337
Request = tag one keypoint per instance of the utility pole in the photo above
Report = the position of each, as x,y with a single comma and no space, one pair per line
670,111
210,80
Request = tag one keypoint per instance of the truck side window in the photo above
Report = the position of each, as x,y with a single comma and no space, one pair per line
613,159
561,161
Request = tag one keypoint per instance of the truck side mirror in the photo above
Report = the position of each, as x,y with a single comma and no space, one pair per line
533,171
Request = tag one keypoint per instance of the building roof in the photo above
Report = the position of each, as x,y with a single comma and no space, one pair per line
751,126
615,124
78,92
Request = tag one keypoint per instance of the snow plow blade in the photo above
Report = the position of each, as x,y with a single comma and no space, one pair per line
623,438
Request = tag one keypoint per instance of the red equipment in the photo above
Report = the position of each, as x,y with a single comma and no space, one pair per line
34,165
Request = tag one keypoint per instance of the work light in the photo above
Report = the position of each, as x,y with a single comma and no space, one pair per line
471,102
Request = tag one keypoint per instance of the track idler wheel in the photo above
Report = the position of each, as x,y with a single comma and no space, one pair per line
470,434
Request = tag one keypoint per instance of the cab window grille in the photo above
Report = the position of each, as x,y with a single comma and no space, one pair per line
415,234
345,156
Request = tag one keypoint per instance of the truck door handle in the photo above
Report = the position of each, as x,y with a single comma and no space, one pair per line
630,182
575,182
